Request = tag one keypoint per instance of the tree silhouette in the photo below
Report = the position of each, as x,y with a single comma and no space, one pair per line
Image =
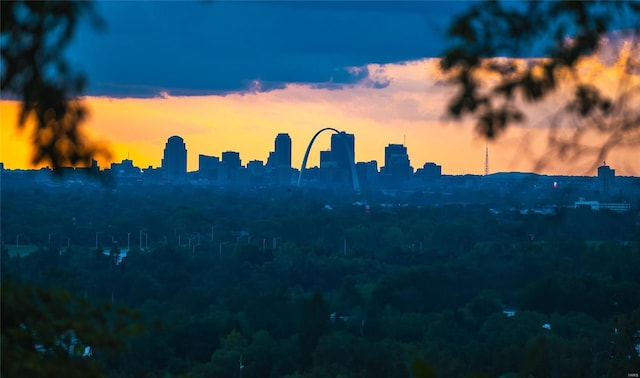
49,332
34,70
495,90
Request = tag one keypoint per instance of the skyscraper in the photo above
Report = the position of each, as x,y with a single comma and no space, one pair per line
340,152
606,176
397,166
174,162
229,166
282,152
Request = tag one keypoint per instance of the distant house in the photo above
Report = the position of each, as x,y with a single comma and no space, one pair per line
596,205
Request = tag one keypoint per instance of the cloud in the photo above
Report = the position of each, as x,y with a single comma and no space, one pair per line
199,48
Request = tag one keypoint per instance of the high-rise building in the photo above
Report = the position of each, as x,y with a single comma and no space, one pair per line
343,150
229,166
174,162
397,166
367,173
208,167
606,176
282,152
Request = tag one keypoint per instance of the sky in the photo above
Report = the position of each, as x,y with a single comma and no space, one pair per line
232,75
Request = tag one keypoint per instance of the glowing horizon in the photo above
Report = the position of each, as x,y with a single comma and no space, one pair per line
409,110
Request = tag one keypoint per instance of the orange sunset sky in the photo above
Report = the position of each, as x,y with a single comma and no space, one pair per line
231,75
409,110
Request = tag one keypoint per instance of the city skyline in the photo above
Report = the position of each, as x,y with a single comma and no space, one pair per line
340,69
502,154
175,152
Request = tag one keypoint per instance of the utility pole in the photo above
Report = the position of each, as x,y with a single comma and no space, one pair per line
97,233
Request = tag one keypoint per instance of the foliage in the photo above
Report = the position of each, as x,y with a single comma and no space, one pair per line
563,33
49,332
386,308
34,70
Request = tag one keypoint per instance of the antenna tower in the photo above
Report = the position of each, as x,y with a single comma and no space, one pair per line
486,159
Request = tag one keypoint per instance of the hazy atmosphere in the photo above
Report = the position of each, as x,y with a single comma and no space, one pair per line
311,189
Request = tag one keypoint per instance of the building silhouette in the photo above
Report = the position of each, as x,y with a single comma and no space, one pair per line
279,162
326,159
229,166
125,171
397,166
429,172
367,174
344,158
174,162
282,151
606,176
208,167
231,159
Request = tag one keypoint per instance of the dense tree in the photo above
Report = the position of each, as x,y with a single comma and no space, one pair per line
395,308
313,324
49,332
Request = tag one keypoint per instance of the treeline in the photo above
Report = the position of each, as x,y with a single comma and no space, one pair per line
279,284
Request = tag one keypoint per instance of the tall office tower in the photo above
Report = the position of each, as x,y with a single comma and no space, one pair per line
606,176
282,152
174,163
396,162
229,166
344,158
208,167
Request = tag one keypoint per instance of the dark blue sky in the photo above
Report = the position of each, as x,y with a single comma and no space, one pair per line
188,48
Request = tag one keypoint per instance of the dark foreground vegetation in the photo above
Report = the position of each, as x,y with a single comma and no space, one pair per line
279,284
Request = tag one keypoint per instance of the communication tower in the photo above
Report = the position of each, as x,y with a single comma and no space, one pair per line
486,159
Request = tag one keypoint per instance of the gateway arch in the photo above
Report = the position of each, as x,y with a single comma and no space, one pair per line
354,174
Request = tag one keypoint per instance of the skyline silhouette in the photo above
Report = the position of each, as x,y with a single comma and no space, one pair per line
375,82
